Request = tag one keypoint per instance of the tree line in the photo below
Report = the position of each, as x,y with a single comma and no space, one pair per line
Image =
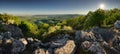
98,18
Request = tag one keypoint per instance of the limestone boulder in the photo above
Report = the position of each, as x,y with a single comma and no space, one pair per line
68,48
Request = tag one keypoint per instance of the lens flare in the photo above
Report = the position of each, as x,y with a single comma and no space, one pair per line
102,6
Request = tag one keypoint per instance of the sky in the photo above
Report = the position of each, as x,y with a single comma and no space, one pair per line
42,7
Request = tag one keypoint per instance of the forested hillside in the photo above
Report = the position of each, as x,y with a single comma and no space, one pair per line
97,32
43,28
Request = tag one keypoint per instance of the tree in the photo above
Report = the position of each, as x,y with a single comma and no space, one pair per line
111,16
76,22
98,17
53,29
9,19
94,19
29,29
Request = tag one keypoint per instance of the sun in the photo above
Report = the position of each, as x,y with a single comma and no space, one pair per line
102,6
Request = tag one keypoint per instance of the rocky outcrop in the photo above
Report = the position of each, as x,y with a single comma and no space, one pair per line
96,48
116,43
58,45
17,47
93,41
117,24
10,45
67,49
103,34
62,44
15,31
85,45
86,42
97,41
39,51
24,41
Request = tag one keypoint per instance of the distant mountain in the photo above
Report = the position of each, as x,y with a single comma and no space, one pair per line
56,16
50,19
63,16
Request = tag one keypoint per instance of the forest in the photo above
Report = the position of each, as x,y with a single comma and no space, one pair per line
46,27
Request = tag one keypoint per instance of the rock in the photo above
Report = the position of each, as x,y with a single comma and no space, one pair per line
6,35
45,45
24,41
33,43
96,48
104,43
1,51
78,36
30,39
106,34
67,49
32,47
1,39
6,38
98,37
39,51
92,41
17,47
47,52
117,24
84,36
15,31
8,41
10,45
116,42
50,51
55,43
85,45
59,41
88,36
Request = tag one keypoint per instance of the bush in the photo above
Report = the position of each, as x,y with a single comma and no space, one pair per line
29,29
9,19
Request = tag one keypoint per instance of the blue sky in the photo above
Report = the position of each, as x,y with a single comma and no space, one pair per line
28,7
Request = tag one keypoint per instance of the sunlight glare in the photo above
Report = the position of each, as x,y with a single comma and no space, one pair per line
102,6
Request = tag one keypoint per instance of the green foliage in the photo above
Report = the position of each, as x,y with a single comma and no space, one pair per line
111,17
29,29
55,25
76,22
9,19
94,19
43,25
101,18
67,28
53,29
